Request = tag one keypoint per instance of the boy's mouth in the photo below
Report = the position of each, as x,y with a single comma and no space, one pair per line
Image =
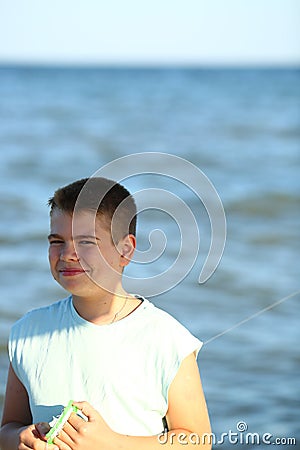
69,272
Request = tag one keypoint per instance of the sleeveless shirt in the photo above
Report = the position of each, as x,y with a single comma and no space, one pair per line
123,369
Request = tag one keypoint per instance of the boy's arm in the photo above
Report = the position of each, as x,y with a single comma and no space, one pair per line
16,432
187,419
187,408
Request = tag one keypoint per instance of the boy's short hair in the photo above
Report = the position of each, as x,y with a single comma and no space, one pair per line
104,197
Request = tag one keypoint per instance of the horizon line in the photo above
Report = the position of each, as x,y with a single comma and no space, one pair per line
146,65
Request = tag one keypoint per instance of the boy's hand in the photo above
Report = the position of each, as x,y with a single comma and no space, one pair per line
78,434
32,438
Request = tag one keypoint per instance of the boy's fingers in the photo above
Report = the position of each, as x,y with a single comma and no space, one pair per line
51,447
73,425
87,410
64,439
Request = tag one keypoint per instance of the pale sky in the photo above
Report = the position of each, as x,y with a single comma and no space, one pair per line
150,31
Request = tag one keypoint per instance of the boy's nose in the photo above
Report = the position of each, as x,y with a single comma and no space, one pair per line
68,253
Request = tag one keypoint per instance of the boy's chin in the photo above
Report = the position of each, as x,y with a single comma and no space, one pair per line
87,289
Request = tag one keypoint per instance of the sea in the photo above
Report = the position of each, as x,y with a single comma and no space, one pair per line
205,147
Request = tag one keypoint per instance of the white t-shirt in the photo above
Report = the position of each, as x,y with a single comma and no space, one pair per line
123,369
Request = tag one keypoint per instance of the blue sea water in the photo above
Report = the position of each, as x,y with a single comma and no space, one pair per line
242,129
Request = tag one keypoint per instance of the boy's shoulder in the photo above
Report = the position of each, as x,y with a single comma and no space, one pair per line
161,319
42,315
168,335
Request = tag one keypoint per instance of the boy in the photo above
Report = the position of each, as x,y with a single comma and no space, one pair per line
132,364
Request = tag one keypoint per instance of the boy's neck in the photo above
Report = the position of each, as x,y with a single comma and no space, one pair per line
106,308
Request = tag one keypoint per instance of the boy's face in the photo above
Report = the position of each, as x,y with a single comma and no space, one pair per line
88,261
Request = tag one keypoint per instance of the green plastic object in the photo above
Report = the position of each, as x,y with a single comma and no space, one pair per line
62,419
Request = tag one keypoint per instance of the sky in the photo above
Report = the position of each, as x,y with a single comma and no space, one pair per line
150,32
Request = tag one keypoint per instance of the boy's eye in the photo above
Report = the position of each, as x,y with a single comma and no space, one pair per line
55,242
87,242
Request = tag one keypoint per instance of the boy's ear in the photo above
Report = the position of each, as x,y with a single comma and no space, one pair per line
127,247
